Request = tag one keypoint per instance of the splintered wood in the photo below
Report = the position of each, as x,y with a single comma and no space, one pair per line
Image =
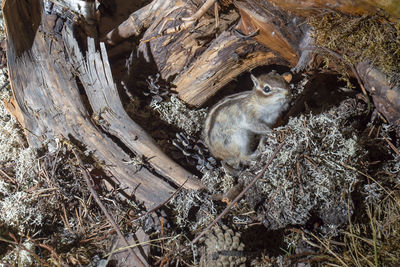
198,58
202,60
49,105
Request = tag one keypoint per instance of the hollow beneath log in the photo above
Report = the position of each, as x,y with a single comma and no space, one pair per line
51,78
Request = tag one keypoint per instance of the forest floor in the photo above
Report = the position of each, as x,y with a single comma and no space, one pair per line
331,196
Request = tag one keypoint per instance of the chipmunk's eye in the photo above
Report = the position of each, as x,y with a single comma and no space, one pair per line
267,89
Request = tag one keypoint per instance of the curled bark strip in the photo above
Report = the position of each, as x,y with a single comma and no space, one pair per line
227,57
95,75
137,22
49,105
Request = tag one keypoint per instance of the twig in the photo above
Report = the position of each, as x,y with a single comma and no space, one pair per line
329,250
353,243
21,246
187,22
374,235
202,10
367,176
391,145
162,204
65,220
239,196
353,69
8,177
50,249
390,194
144,243
216,15
97,199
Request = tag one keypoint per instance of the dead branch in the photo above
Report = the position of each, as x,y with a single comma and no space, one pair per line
96,77
247,188
137,22
187,21
4,175
103,208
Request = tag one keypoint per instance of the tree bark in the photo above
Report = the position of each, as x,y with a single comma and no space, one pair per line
48,103
279,26
190,51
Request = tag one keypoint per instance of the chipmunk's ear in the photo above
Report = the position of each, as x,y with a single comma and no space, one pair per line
287,76
255,81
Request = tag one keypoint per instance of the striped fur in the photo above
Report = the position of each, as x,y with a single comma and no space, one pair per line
232,125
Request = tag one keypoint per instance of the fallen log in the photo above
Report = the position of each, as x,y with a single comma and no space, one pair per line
385,95
49,105
280,26
198,52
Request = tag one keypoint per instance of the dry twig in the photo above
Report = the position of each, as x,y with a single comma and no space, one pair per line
187,22
50,249
391,145
353,69
97,199
21,246
8,177
225,211
162,204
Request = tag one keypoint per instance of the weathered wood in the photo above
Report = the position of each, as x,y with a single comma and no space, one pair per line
49,105
277,29
202,66
95,75
152,14
85,8
198,60
230,55
173,53
226,58
138,21
386,97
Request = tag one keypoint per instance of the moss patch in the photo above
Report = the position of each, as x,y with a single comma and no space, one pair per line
358,38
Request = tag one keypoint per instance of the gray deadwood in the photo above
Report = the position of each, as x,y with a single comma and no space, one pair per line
48,104
200,59
190,51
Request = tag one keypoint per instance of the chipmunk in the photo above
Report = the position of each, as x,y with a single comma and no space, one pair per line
233,124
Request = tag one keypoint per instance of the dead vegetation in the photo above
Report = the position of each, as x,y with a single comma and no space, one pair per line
71,229
331,196
372,38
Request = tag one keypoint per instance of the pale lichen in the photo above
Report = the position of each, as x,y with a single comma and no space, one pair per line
20,255
217,181
19,210
312,174
193,209
175,112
